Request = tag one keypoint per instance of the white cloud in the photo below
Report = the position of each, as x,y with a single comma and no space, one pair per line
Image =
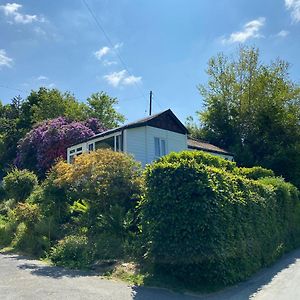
109,62
107,50
118,45
132,80
283,33
294,7
250,30
4,59
12,10
121,78
42,77
101,52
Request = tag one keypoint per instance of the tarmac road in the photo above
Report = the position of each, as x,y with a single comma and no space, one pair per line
23,278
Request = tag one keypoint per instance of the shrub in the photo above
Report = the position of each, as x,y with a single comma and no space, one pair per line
26,239
2,192
73,251
206,225
198,157
48,141
254,172
27,213
109,183
18,184
7,230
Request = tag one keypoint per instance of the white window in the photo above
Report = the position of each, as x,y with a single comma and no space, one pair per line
73,153
159,147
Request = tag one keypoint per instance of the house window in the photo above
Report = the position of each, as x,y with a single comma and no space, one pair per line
159,147
91,147
114,143
73,153
106,144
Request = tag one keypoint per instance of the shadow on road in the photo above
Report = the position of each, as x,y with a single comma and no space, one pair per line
39,269
53,272
242,291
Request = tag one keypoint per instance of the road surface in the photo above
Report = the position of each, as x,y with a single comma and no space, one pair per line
23,278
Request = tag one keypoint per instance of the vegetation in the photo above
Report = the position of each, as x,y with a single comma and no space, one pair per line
19,184
22,115
190,219
253,110
48,141
224,226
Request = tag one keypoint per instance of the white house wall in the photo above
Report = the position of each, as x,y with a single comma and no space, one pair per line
140,142
135,143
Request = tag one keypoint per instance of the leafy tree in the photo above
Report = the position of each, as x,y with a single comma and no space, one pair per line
48,141
101,106
253,110
46,104
20,116
11,130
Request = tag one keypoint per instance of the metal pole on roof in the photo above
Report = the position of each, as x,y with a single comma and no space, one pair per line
150,110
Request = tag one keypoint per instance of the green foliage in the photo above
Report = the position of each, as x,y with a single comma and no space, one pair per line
101,106
20,116
7,230
203,224
73,251
253,110
26,240
27,213
18,184
254,172
108,182
199,157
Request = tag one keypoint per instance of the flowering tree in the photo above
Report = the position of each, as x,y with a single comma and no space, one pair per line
48,141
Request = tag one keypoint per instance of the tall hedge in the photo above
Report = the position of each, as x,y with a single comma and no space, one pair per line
206,225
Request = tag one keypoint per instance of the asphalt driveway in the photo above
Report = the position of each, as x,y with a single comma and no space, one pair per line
23,278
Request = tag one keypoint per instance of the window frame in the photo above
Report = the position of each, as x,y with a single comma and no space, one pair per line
160,147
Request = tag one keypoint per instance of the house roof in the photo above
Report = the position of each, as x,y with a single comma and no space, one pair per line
165,120
205,146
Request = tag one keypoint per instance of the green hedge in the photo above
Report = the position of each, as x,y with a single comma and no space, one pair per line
206,225
254,172
199,157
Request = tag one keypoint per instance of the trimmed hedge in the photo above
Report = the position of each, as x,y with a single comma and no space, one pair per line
254,172
199,157
206,225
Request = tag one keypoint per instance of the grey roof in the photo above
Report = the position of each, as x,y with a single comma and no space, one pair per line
205,146
139,123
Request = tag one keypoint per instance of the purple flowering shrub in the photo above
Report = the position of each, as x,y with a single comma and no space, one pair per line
49,140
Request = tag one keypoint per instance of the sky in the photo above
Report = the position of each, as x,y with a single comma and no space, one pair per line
129,47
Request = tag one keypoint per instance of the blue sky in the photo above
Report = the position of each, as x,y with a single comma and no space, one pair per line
164,46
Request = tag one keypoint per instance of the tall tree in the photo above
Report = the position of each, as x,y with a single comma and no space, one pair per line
101,106
20,116
253,109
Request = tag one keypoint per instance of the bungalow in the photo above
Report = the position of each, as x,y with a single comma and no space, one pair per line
147,139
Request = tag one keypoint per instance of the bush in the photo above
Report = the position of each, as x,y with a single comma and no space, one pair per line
26,240
199,157
18,184
2,192
109,183
7,230
206,225
49,140
254,172
73,251
27,213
